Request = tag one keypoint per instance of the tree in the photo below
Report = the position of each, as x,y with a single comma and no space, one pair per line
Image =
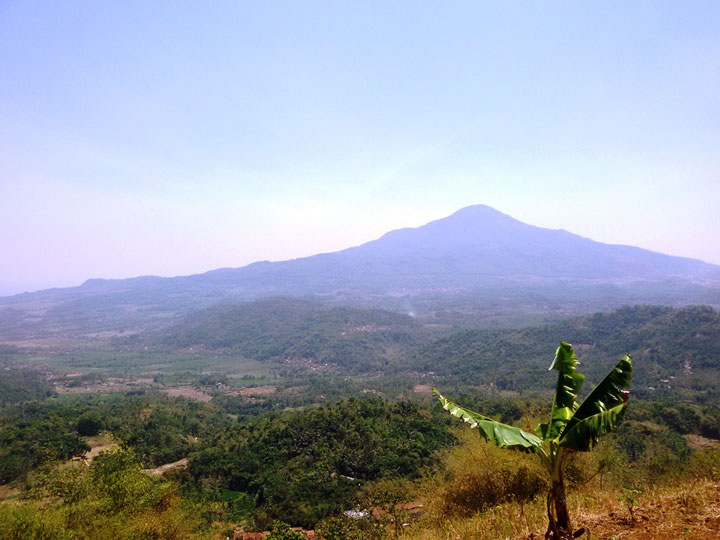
90,423
282,531
572,427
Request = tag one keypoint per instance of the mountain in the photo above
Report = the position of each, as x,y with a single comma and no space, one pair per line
478,262
473,247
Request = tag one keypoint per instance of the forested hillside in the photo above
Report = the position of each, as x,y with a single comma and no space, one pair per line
303,332
17,385
672,348
675,349
302,467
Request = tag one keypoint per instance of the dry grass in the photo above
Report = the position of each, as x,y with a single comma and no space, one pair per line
688,510
257,390
686,505
7,492
478,476
187,392
669,512
100,443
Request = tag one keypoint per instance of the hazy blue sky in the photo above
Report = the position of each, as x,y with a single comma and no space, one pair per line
175,137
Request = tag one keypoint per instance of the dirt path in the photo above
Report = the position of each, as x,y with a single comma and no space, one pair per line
7,492
162,469
97,444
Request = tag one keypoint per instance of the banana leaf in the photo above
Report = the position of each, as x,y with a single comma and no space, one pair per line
568,385
583,435
503,435
606,396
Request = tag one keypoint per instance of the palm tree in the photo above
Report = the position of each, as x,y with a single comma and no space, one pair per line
572,427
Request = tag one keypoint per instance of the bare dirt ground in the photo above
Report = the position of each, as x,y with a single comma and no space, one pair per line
187,392
40,343
162,469
422,389
691,512
698,442
109,387
257,391
99,443
106,335
6,492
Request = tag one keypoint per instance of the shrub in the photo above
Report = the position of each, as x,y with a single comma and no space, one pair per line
282,531
705,463
503,477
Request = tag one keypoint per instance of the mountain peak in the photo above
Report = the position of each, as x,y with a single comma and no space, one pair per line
476,210
478,215
460,226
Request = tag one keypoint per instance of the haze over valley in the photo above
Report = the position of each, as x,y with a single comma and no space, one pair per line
478,266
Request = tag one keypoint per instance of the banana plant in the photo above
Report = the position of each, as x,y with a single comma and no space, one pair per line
571,428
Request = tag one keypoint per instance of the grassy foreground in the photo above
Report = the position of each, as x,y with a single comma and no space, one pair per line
481,493
610,498
662,512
